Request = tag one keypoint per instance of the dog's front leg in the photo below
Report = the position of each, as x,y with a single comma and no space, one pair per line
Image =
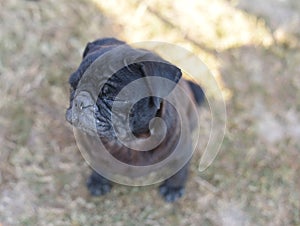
173,188
98,185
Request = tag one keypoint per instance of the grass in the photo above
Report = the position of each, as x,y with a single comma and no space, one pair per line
255,58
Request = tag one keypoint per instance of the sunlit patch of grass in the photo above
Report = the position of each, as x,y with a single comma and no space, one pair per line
202,28
216,25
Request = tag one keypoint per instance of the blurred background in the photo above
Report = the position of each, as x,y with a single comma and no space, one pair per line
252,49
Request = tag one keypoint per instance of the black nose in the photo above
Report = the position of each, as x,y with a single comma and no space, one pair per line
79,104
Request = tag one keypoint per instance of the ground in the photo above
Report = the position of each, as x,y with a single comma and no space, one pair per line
252,49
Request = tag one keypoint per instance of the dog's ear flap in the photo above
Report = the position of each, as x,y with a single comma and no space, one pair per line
87,49
92,46
161,87
161,69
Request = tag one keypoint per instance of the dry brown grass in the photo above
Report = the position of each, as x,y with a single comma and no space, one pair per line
253,53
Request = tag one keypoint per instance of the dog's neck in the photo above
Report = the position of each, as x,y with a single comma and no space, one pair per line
148,133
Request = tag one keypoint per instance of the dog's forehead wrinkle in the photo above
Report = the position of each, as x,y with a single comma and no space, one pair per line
109,63
85,97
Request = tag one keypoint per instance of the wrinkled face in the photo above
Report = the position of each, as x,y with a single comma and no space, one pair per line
94,113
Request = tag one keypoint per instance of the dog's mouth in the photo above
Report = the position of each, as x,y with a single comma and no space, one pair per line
83,119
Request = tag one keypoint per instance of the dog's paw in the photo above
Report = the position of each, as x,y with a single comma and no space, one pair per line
97,186
171,194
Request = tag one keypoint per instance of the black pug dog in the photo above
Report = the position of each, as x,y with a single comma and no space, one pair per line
84,113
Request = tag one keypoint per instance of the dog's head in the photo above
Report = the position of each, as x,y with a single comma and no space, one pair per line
95,86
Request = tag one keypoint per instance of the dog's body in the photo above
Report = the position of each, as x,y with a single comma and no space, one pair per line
140,115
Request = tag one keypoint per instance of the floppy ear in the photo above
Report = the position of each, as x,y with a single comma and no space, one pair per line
94,49
87,49
76,76
163,70
97,44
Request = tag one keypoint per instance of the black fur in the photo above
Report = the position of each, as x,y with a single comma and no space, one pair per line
198,92
98,185
140,115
